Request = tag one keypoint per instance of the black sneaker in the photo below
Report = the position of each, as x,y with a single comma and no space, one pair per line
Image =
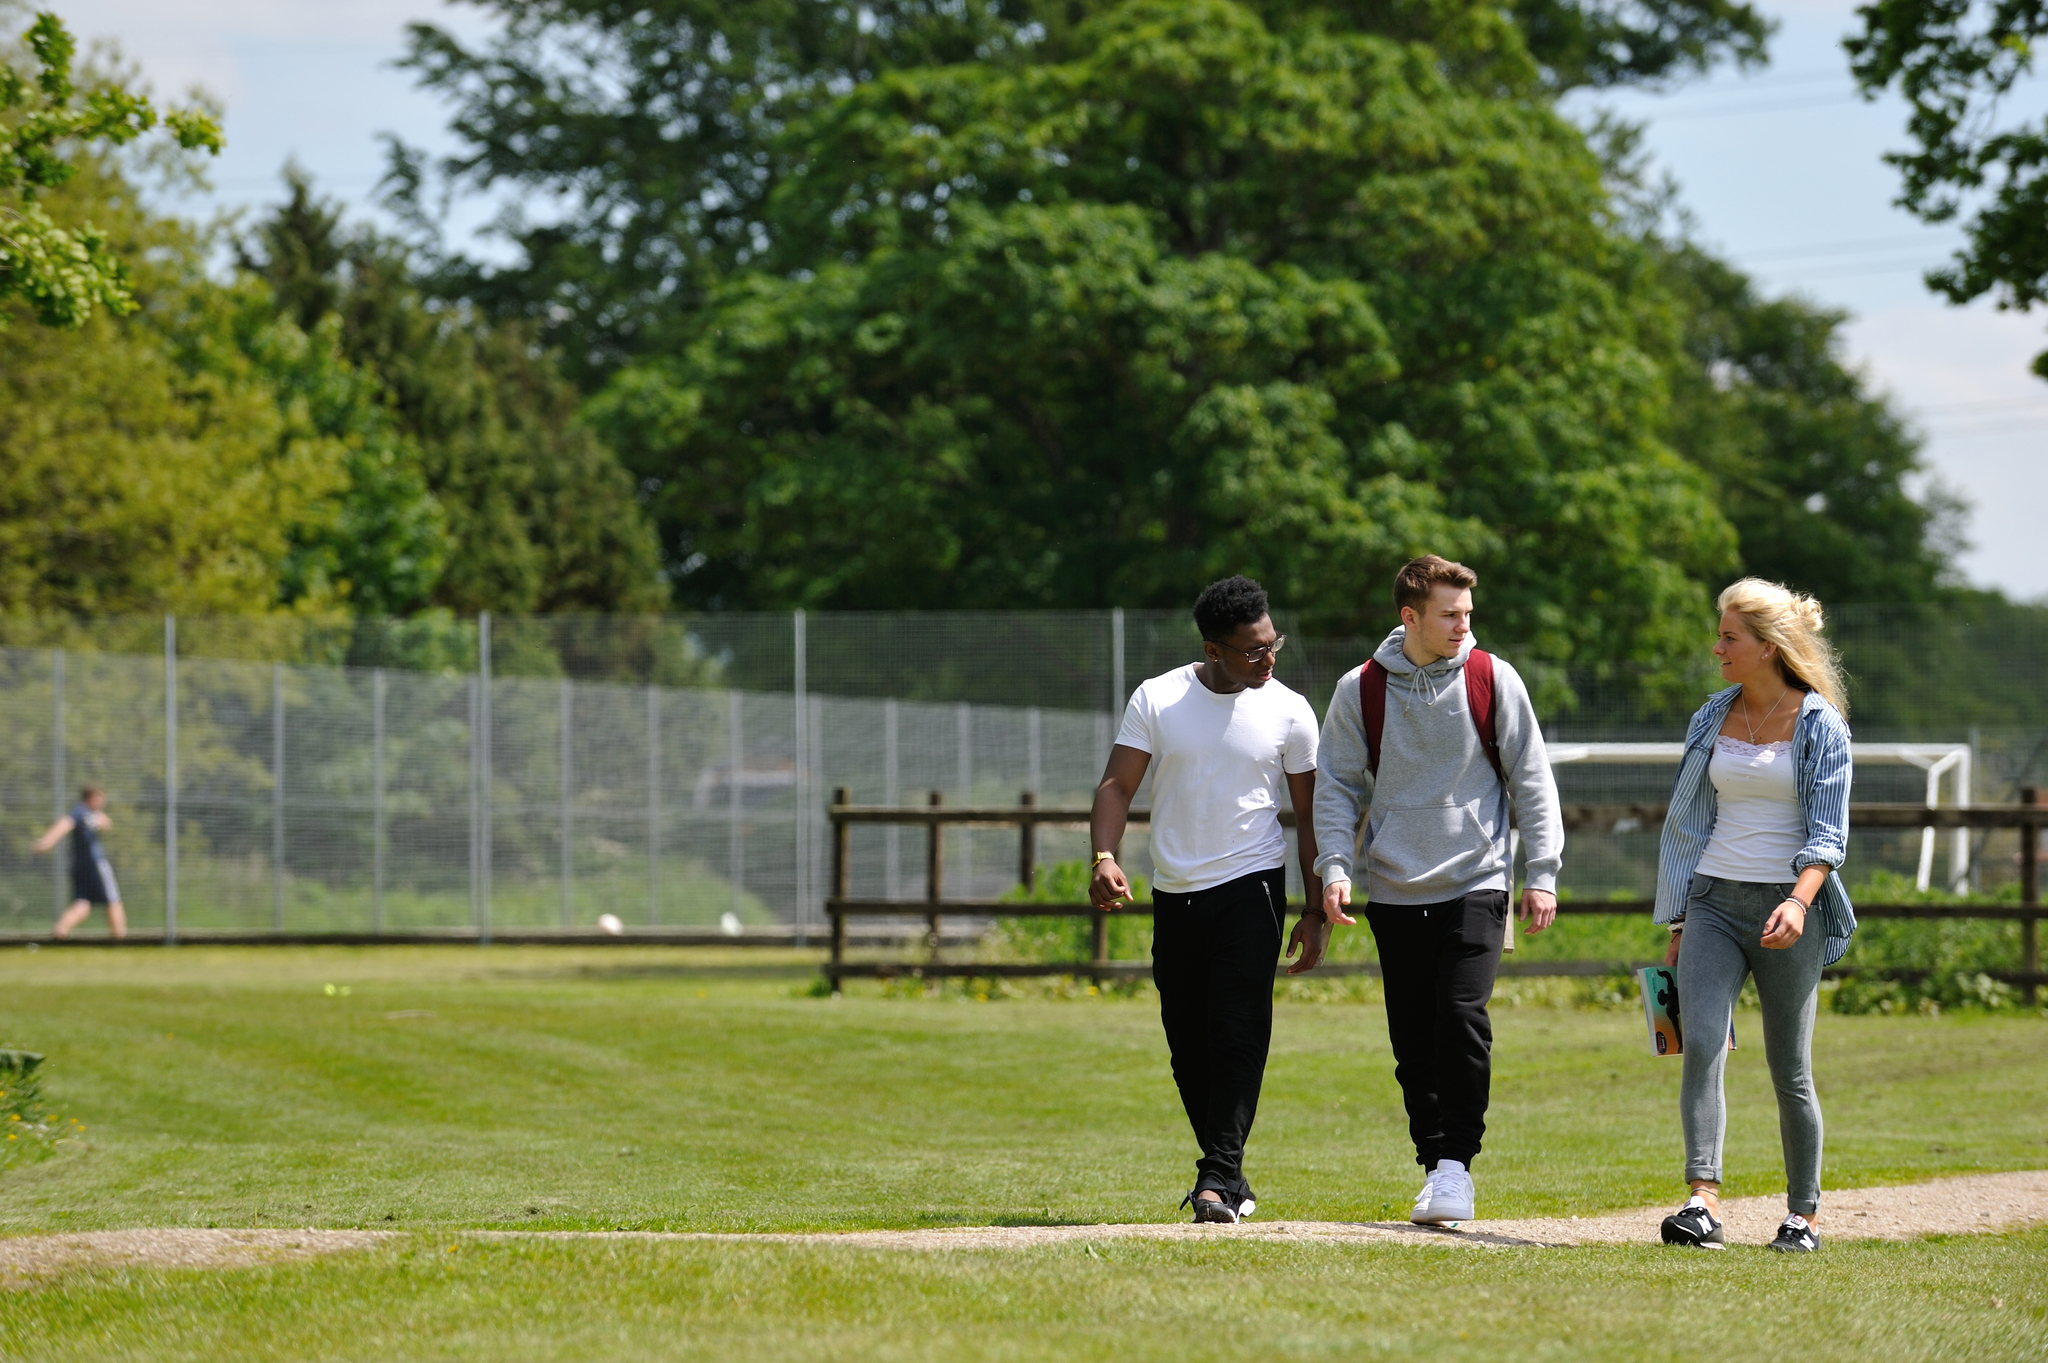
1796,1237
1216,1213
1694,1225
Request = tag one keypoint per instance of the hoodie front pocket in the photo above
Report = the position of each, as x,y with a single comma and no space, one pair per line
1435,845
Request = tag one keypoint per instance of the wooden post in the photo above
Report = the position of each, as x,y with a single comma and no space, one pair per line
2030,893
842,877
1101,943
935,871
1027,845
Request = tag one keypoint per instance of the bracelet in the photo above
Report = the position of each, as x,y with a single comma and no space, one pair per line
1804,907
1101,857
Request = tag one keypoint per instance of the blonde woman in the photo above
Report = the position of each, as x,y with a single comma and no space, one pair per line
1746,880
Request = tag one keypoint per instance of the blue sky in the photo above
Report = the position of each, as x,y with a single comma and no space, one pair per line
1780,169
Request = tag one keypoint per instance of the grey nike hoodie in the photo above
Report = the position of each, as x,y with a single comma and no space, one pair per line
1435,824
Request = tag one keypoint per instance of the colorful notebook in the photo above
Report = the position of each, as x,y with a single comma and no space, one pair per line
1660,1010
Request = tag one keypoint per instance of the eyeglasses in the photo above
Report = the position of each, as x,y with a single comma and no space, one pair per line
1257,655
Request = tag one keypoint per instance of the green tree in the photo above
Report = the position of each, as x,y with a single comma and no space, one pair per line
1210,296
1960,66
146,463
65,272
474,420
653,124
1816,473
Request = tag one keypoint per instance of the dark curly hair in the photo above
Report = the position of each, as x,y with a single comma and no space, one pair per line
1225,605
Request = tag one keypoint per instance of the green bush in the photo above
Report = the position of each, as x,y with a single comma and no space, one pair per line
31,1131
1069,939
1955,954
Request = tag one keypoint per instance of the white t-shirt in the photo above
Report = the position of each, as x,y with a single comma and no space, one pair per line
1758,825
1216,774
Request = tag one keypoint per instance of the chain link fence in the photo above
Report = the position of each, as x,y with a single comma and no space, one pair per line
402,777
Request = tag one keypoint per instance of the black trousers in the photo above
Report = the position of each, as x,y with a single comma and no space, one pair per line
1439,961
1213,956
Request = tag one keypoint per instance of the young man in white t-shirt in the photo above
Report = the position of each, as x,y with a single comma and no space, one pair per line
1225,736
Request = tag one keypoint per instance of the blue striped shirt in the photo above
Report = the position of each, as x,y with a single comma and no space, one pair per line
1822,770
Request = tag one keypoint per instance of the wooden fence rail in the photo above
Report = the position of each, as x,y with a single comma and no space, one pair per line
1027,816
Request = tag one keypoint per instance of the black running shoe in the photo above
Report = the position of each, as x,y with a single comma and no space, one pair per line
1694,1225
1796,1237
1217,1213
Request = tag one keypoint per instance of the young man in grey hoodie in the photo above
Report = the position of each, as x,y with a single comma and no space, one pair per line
1425,804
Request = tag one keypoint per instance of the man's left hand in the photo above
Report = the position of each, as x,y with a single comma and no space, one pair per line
1311,937
1539,909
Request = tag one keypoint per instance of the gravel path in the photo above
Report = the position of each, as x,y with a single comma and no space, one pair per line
1976,1202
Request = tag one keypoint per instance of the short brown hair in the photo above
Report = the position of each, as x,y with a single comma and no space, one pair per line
1420,576
86,792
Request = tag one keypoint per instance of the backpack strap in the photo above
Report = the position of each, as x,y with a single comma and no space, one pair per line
1372,700
1479,697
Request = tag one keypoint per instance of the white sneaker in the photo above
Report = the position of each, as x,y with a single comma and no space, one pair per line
1447,1196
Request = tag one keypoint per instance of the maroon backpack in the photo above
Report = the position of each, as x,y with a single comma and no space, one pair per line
1372,696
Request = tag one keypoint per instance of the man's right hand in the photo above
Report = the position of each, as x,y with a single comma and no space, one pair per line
1336,899
1109,886
1671,952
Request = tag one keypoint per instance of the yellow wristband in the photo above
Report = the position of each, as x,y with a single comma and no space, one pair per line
1101,857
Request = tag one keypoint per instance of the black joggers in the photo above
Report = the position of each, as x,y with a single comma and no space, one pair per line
1213,956
1438,962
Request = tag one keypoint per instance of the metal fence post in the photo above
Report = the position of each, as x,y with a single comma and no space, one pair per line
568,711
485,829
1116,632
57,767
653,806
277,797
170,780
377,802
1034,748
735,802
799,742
472,802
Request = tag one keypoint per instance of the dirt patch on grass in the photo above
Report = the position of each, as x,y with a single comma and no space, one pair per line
1976,1202
24,1258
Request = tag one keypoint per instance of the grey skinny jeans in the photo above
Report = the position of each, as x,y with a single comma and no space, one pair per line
1724,928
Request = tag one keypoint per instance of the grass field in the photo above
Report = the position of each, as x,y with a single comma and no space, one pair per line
453,1088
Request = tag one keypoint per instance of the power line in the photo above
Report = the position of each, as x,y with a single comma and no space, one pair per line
2035,428
1685,115
1837,248
1989,405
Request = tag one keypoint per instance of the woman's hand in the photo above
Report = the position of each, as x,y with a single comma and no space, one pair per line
1786,924
1671,952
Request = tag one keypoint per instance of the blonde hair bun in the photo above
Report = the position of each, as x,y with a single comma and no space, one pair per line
1792,624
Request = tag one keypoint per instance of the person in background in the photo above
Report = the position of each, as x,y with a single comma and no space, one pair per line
1746,880
1225,738
92,875
1422,750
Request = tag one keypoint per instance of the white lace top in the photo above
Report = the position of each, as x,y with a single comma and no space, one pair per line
1758,825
